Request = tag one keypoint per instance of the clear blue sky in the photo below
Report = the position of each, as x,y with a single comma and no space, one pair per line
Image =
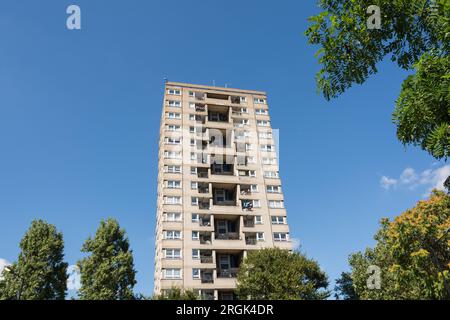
80,110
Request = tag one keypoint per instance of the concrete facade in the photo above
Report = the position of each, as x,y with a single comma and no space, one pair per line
219,191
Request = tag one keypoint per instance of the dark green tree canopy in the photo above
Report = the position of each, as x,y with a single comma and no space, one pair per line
416,35
107,273
40,272
344,288
276,274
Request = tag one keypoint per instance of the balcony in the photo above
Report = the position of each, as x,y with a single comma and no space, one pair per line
249,222
206,259
224,194
207,276
226,228
202,173
247,205
205,238
228,273
207,295
228,236
251,240
203,188
204,221
199,107
235,100
228,263
200,96
203,204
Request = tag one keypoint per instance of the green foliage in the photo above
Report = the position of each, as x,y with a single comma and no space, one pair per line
275,274
108,272
39,273
413,253
414,33
176,293
422,113
344,288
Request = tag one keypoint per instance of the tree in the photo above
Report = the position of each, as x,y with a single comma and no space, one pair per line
276,274
415,34
108,272
40,272
344,288
412,252
176,293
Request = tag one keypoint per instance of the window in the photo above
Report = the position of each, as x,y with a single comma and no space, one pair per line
173,115
277,220
243,99
265,135
260,236
270,174
280,236
191,94
195,235
176,92
195,218
194,185
172,200
273,189
262,123
193,170
172,127
195,273
251,159
248,147
269,161
172,235
259,100
258,220
174,103
195,254
194,201
267,148
254,188
252,173
172,253
172,216
174,184
173,169
172,273
256,204
276,204
172,140
261,111
172,154
193,143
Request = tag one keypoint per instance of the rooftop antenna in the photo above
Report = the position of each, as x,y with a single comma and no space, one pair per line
214,83
226,85
165,79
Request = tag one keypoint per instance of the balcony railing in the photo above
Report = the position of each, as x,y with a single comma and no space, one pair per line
250,241
227,236
205,239
205,223
228,273
249,223
202,174
206,259
207,279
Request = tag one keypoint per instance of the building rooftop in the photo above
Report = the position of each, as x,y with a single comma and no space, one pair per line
223,89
